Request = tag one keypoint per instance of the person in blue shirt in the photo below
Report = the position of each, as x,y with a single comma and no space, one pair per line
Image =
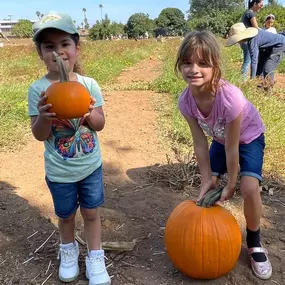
258,39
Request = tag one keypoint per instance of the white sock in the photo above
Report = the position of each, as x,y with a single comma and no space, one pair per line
67,245
96,253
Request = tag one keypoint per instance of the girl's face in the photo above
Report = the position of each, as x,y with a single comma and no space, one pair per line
61,43
269,23
258,6
196,72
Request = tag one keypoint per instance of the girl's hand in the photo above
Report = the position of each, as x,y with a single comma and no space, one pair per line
206,186
43,108
227,193
91,107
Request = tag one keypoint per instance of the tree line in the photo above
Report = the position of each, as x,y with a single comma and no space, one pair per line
214,15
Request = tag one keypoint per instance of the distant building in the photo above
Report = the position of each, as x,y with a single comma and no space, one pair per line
7,25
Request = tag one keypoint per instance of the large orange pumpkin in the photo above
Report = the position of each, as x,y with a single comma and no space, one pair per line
69,99
202,242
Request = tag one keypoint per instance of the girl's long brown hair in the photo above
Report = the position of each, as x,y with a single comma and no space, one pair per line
204,45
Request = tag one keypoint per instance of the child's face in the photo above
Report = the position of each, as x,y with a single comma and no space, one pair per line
269,23
196,72
61,43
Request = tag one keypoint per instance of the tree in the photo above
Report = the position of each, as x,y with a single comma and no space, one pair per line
84,12
101,8
39,15
219,24
204,8
86,24
273,2
215,15
138,24
101,30
23,29
116,29
171,21
104,29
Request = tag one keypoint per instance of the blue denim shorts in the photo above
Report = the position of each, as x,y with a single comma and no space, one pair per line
250,158
88,193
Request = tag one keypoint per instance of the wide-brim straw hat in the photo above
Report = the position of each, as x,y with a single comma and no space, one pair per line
239,32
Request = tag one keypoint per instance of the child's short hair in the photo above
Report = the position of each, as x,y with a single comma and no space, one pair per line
205,46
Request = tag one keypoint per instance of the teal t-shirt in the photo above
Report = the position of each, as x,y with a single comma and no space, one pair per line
72,151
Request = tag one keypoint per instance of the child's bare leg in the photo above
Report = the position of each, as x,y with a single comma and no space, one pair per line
260,263
92,227
66,229
69,251
249,187
96,270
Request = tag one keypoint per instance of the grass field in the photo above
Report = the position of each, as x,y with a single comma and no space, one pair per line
20,66
104,60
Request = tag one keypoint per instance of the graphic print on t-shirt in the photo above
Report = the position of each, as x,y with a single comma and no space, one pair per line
71,138
217,131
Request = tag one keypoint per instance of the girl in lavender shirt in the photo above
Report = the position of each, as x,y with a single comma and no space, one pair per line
214,107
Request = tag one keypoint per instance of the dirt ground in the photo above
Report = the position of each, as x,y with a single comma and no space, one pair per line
136,208
280,81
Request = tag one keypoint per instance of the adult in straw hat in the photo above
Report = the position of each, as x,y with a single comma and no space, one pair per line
257,40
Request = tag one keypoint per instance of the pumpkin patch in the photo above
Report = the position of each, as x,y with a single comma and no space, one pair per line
69,99
202,242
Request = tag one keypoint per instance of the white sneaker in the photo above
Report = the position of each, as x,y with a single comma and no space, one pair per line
68,254
96,270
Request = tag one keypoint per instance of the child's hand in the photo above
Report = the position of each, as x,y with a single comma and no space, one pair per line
207,186
227,193
91,107
43,108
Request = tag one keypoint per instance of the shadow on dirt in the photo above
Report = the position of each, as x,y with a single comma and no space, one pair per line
134,210
153,193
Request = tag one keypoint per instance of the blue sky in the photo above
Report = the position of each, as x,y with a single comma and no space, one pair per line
117,10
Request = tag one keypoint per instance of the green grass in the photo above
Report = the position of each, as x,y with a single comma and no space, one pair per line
271,107
20,66
104,60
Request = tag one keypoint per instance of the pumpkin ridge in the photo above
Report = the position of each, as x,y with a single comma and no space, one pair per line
218,265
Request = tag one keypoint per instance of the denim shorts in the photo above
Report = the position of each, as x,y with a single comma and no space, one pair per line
250,158
88,193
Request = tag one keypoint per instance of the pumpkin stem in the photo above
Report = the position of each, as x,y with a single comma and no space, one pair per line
210,198
62,69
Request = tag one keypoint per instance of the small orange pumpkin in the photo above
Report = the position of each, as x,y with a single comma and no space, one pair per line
69,99
202,242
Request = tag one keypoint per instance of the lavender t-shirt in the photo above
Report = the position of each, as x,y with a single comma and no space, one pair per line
229,103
